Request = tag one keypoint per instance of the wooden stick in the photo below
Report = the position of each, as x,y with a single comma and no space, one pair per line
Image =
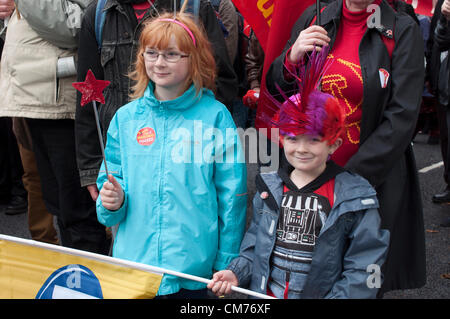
183,7
100,137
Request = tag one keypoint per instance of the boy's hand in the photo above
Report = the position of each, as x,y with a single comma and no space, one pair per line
222,281
445,9
312,37
112,195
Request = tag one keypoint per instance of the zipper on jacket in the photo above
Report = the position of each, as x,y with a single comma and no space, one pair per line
286,290
276,283
161,177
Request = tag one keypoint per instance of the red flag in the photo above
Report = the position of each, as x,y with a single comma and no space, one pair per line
271,20
258,13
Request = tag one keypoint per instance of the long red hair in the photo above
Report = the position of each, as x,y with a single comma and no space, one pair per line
157,34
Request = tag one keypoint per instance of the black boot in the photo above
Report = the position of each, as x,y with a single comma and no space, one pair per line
443,198
17,205
446,222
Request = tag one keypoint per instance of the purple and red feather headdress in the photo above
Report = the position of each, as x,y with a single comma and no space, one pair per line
310,111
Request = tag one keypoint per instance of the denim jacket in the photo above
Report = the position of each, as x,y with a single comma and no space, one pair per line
349,244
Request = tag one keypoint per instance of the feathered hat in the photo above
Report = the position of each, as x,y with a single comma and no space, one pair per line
310,111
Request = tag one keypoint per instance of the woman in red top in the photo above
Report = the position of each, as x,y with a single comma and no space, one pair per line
377,76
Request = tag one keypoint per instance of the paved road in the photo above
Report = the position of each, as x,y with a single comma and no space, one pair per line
437,237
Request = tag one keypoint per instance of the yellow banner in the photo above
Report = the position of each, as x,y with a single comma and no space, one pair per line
30,269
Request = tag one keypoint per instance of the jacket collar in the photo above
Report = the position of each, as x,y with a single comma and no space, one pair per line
331,170
348,187
114,4
111,3
387,20
333,12
186,100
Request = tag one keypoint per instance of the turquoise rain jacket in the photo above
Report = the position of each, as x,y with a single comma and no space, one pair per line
182,169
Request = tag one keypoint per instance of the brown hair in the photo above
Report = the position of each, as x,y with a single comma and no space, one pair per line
157,34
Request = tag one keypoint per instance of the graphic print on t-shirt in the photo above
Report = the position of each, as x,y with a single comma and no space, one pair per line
301,219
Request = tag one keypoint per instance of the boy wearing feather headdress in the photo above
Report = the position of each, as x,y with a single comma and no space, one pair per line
315,231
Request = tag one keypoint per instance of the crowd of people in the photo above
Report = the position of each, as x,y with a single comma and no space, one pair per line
170,188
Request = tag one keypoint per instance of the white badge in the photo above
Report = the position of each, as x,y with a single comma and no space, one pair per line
384,77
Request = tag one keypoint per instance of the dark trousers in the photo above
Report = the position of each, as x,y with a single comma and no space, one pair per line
54,149
444,129
11,169
40,221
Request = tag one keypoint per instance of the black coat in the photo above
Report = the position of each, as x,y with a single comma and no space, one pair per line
120,36
385,156
441,37
434,53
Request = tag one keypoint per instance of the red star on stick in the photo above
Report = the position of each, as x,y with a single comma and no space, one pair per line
91,89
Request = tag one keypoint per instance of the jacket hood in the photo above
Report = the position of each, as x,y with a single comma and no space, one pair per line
352,193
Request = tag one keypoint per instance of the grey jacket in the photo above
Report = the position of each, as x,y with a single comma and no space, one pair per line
349,243
29,86
57,21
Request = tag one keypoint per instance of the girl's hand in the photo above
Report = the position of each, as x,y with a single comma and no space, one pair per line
313,36
222,281
112,195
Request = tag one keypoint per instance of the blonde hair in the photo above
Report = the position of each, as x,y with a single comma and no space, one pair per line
158,33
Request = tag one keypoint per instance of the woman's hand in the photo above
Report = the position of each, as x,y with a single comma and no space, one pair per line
112,195
445,9
312,37
222,281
